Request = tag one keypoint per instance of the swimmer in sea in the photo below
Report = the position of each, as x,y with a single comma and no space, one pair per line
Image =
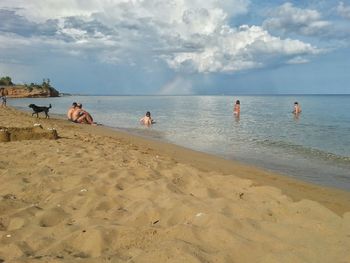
147,119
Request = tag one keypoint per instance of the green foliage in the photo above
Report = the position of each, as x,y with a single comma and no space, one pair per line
33,86
29,88
6,81
46,84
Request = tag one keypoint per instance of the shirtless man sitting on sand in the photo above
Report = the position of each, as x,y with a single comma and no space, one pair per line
71,110
81,116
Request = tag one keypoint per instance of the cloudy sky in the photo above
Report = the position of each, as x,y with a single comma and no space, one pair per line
178,46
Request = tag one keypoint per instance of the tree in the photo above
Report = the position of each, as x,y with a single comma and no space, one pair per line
46,83
6,81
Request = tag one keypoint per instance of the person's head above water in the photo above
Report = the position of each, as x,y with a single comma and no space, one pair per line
296,103
238,102
74,104
148,114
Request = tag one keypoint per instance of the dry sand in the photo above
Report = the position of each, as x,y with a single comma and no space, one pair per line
96,195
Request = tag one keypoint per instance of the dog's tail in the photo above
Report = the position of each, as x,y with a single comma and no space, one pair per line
50,106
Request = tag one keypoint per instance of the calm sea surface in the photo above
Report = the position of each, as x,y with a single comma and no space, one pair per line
314,147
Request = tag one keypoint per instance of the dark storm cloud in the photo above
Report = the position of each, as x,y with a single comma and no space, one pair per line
13,23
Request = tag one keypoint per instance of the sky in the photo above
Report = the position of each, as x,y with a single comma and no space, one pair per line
178,47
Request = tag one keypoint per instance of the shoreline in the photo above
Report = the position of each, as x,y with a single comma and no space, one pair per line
295,188
312,161
99,194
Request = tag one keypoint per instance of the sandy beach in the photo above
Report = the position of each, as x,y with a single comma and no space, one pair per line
99,195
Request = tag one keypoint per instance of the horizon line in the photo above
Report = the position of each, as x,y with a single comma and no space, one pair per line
188,95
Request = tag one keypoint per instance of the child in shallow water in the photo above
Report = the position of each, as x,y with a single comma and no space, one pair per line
297,108
237,108
147,119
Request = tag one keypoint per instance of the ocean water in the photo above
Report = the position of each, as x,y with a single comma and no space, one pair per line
314,147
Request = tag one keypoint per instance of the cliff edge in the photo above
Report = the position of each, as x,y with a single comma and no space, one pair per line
21,91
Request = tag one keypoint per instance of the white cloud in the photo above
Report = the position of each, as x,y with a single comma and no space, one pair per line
169,11
343,10
298,60
287,18
77,34
231,50
190,35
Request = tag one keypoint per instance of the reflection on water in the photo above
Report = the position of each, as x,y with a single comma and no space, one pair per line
314,145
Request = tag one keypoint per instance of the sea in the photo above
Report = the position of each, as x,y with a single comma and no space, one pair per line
314,147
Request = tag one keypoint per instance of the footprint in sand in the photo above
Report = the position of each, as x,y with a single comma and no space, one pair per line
16,223
52,217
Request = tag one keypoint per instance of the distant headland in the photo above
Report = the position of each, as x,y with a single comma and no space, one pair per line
32,90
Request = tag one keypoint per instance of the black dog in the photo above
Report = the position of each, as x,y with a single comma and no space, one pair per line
38,109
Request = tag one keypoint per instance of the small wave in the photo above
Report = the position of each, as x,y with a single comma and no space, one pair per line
144,132
306,151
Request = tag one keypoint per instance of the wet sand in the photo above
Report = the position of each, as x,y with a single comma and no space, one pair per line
98,195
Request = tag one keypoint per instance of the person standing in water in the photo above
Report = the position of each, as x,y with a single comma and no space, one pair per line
237,108
297,108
